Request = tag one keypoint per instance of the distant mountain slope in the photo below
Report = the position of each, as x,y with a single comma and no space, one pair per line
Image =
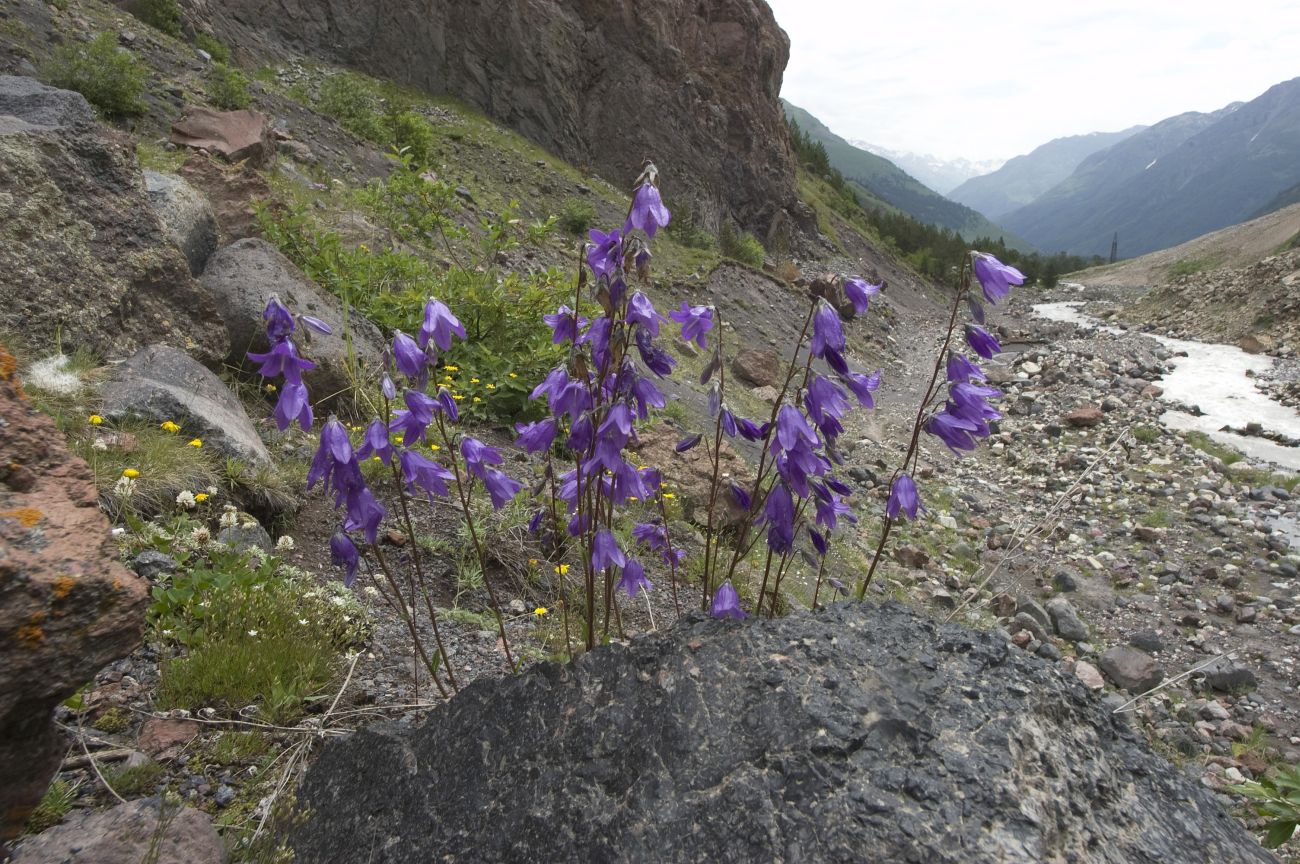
941,175
1233,247
887,182
1181,178
1024,178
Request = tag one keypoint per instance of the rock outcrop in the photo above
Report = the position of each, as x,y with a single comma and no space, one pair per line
67,606
186,217
128,834
83,259
692,84
860,733
244,275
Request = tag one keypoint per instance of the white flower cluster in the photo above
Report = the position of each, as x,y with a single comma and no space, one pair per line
124,488
185,500
229,516
284,544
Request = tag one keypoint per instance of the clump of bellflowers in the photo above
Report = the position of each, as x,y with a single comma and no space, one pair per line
405,440
956,407
284,362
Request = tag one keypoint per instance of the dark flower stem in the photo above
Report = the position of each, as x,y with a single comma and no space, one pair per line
963,285
409,618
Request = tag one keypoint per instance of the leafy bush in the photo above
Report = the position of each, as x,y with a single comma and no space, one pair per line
111,78
228,87
162,14
56,804
576,216
377,113
411,135
686,229
219,51
1277,799
742,246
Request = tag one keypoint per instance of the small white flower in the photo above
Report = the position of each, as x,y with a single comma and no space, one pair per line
252,632
201,534
338,601
229,519
371,591
100,444
284,544
302,621
186,500
124,488
213,490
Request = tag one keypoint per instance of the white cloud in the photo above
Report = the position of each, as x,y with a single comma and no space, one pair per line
995,79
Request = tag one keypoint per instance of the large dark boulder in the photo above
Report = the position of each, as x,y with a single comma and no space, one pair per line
84,261
860,733
692,84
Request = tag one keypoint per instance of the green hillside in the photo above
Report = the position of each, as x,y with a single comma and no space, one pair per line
883,183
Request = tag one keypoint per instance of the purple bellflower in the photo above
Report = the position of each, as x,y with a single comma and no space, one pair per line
696,321
410,358
376,443
292,406
564,325
957,432
421,472
778,510
478,456
605,552
859,292
343,553
960,368
862,387
282,361
903,498
414,421
536,437
648,211
641,311
278,320
501,488
605,254
439,325
995,277
726,603
982,341
828,335
634,578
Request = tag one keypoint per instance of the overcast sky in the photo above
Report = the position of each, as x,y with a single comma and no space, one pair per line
994,79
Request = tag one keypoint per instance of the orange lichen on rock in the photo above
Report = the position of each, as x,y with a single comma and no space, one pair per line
26,516
63,587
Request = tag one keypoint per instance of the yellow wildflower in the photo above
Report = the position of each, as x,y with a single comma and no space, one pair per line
269,388
95,420
201,497
490,386
130,473
477,399
513,375
540,611
473,380
449,379
457,396
450,368
532,562
169,426
669,495
196,442
434,447
562,569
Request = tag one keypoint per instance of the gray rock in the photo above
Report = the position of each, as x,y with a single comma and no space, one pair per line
151,563
84,262
186,217
161,383
126,834
244,275
1066,621
858,733
243,537
1147,640
1034,608
1025,621
1227,676
1131,669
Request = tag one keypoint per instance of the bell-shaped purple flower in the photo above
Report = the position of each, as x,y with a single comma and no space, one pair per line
364,513
859,292
282,361
421,472
960,368
439,325
862,387
447,404
792,430
830,508
826,404
641,311
605,253
478,456
696,321
741,497
903,498
388,388
500,487
605,551
315,324
970,401
335,450
956,432
633,578
412,423
981,341
651,534
278,320
343,553
726,603
995,277
778,511
647,396
410,358
648,211
818,541
564,324
581,434
828,334
376,442
536,437
655,358
292,406
689,442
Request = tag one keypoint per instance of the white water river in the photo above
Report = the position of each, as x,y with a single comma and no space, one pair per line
1213,378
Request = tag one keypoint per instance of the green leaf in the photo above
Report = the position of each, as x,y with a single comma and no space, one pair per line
1279,833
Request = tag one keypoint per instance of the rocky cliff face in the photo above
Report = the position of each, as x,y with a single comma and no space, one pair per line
692,84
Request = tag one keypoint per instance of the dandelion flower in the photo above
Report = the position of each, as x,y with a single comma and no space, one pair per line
540,611
201,497
169,426
434,447
451,368
130,473
196,442
95,420
669,496
562,569
473,380
513,375
490,386
477,399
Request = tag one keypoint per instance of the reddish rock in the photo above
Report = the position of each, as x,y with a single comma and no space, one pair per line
67,605
760,367
232,190
912,557
1088,675
165,738
1087,415
237,136
128,834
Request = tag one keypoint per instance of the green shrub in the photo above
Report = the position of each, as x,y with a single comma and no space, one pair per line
56,804
411,136
576,216
1277,799
686,229
135,781
219,51
163,14
111,78
742,246
349,99
228,87
1147,434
